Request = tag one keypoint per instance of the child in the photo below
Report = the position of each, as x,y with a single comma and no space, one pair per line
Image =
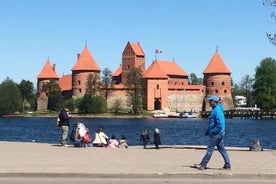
123,142
113,143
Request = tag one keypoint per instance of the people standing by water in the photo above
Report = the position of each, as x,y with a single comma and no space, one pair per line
64,117
216,132
156,138
144,138
256,146
123,142
100,139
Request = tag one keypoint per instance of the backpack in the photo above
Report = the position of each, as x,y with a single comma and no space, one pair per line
59,122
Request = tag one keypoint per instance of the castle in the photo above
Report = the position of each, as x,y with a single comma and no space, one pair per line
166,84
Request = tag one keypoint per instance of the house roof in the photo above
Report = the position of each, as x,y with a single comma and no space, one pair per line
86,62
154,71
216,65
136,47
65,82
118,71
171,68
48,71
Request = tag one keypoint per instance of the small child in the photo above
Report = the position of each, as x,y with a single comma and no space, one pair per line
113,143
123,142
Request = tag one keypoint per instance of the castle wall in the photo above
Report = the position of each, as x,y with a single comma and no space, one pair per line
79,82
42,104
185,100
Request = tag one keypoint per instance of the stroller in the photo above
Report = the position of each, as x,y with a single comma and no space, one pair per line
80,135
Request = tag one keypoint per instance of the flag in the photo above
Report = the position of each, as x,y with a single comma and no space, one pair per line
158,51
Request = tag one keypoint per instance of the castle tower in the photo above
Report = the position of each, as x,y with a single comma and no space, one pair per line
84,66
47,73
156,87
133,56
217,79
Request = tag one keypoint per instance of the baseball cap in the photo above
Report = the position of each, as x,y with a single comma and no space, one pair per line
214,98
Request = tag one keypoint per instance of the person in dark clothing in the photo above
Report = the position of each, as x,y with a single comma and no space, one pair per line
156,138
64,117
145,138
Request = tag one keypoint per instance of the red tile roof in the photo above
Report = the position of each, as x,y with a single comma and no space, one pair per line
86,62
48,72
65,82
171,68
154,71
118,71
217,65
137,48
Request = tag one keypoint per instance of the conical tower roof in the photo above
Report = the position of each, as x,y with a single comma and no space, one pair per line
86,62
48,72
217,65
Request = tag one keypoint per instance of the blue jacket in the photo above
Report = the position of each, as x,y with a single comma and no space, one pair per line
216,121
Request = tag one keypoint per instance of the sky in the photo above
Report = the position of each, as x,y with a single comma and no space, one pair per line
186,31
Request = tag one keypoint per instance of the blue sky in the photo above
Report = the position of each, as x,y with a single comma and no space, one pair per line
187,31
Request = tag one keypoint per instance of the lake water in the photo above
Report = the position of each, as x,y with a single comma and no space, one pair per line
239,132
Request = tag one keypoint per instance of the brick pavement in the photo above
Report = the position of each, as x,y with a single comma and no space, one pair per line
46,160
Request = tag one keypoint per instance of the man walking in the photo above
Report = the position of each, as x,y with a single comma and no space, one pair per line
64,117
216,132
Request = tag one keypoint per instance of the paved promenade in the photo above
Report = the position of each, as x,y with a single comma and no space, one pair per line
47,160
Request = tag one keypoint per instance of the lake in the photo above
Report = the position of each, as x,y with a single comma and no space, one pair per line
239,132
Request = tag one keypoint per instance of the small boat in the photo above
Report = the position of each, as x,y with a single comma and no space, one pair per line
160,115
178,115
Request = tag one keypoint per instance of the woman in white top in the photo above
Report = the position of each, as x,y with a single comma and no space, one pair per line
100,139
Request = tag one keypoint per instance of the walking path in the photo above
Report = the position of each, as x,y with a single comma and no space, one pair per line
46,160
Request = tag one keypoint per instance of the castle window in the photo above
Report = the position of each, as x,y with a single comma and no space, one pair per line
216,91
80,90
157,86
127,66
225,91
222,83
212,83
79,82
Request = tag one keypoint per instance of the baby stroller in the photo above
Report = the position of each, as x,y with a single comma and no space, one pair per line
80,135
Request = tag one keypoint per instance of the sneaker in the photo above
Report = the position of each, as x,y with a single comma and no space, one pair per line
226,167
202,168
197,165
64,145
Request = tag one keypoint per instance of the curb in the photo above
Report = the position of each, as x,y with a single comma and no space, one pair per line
131,175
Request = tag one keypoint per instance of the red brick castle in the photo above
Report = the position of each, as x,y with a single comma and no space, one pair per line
167,84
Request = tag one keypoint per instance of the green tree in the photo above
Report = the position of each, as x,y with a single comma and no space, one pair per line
55,98
246,86
93,84
193,80
135,90
92,88
10,97
107,82
264,88
99,105
28,94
